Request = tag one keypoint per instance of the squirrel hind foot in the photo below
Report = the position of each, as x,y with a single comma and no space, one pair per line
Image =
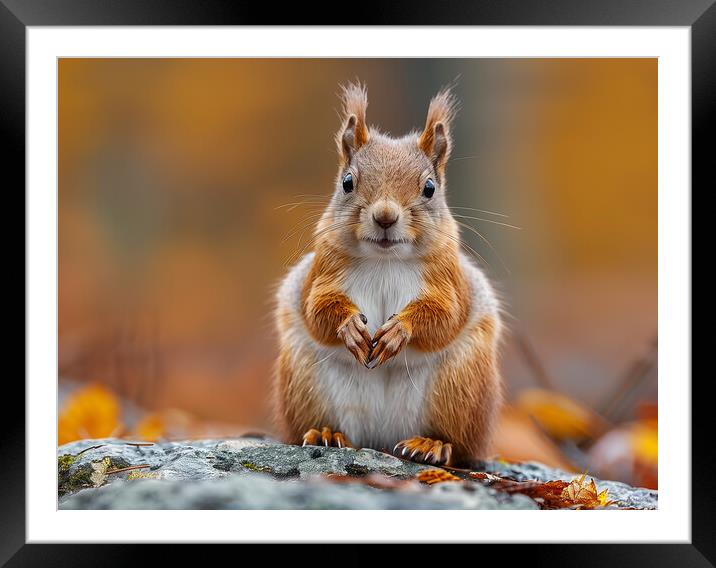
424,450
326,437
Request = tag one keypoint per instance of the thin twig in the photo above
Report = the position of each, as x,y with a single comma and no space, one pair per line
143,466
90,448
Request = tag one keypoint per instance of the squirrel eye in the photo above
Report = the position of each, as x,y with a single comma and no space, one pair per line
348,182
429,188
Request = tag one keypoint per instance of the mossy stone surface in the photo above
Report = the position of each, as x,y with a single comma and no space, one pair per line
259,473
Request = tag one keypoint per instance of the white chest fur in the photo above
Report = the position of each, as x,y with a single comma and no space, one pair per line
383,287
379,407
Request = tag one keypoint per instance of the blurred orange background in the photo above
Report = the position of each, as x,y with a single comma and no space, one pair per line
171,239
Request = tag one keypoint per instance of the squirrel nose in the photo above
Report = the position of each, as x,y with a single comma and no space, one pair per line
385,218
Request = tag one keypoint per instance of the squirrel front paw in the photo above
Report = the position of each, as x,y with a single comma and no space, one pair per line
354,334
389,340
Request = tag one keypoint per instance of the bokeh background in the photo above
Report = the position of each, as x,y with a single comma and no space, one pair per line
174,228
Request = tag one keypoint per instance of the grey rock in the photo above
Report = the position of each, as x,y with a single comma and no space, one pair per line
259,473
256,491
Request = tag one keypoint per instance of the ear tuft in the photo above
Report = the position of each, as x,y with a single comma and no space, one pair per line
435,141
354,132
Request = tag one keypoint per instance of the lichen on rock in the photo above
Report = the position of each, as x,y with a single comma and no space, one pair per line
258,473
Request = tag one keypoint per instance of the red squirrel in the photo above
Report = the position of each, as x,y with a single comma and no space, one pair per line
388,332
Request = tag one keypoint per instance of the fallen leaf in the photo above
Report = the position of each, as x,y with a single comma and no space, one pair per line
99,473
484,476
151,427
138,474
560,416
548,494
92,412
585,495
432,476
558,494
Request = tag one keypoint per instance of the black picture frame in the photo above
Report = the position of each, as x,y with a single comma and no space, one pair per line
699,15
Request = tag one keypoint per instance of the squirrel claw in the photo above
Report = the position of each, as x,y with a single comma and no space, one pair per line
425,450
326,437
389,340
354,334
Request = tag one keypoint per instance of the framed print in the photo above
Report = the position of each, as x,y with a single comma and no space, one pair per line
403,277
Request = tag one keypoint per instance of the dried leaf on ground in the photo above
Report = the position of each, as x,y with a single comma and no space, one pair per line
483,476
558,494
585,494
99,473
548,494
137,474
432,476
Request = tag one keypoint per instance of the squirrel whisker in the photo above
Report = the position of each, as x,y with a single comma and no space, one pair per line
291,206
489,244
322,360
488,221
451,207
456,240
310,220
412,382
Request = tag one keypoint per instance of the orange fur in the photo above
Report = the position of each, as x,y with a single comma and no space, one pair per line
298,407
354,133
325,307
466,395
435,141
435,318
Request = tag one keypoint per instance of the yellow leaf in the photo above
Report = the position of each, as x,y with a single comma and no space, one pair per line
559,415
584,495
645,441
92,412
151,427
603,499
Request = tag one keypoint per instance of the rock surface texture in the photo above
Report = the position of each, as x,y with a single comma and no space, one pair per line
257,473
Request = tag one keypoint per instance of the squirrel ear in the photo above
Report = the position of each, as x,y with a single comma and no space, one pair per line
354,132
435,141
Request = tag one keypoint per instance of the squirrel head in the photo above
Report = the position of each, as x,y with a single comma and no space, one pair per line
389,198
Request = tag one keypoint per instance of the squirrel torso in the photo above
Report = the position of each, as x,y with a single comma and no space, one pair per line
388,333
379,407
